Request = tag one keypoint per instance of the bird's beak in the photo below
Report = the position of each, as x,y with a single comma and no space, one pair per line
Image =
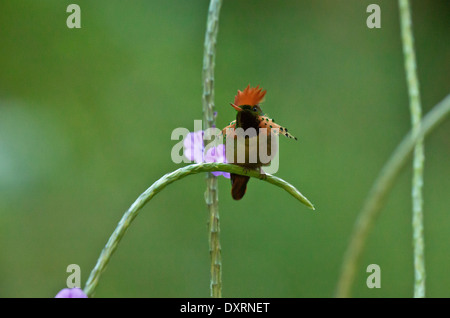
236,107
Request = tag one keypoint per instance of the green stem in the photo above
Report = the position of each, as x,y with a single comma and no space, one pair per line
418,162
155,188
378,194
212,191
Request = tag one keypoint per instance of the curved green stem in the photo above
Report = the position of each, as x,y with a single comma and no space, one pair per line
155,188
378,194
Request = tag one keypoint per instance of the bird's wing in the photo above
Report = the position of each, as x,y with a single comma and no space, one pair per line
231,125
269,123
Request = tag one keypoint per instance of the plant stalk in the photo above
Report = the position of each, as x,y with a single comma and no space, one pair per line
418,161
154,189
212,191
378,195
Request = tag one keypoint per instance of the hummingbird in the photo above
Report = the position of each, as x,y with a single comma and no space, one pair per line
250,115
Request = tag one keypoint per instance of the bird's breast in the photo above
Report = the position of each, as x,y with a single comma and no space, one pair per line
251,151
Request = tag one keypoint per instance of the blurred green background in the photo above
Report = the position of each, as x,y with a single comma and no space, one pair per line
86,117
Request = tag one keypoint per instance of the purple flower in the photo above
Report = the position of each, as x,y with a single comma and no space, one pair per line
71,293
217,154
194,148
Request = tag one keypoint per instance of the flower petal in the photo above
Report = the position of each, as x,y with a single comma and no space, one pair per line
71,293
226,175
193,146
217,154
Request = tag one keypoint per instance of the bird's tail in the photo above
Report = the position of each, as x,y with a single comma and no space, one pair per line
238,186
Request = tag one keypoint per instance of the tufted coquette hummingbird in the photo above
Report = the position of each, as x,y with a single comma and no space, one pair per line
250,116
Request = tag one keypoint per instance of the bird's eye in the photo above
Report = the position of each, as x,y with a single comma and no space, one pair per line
255,109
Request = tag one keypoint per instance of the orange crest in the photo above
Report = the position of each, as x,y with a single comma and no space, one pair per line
250,96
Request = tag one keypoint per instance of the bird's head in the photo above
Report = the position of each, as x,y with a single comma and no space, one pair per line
249,100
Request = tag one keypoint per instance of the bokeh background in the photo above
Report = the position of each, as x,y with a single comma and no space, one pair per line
86,117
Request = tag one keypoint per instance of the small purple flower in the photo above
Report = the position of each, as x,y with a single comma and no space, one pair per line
217,154
71,293
193,146
193,149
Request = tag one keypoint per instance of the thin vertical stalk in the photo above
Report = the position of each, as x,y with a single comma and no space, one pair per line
212,194
418,161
